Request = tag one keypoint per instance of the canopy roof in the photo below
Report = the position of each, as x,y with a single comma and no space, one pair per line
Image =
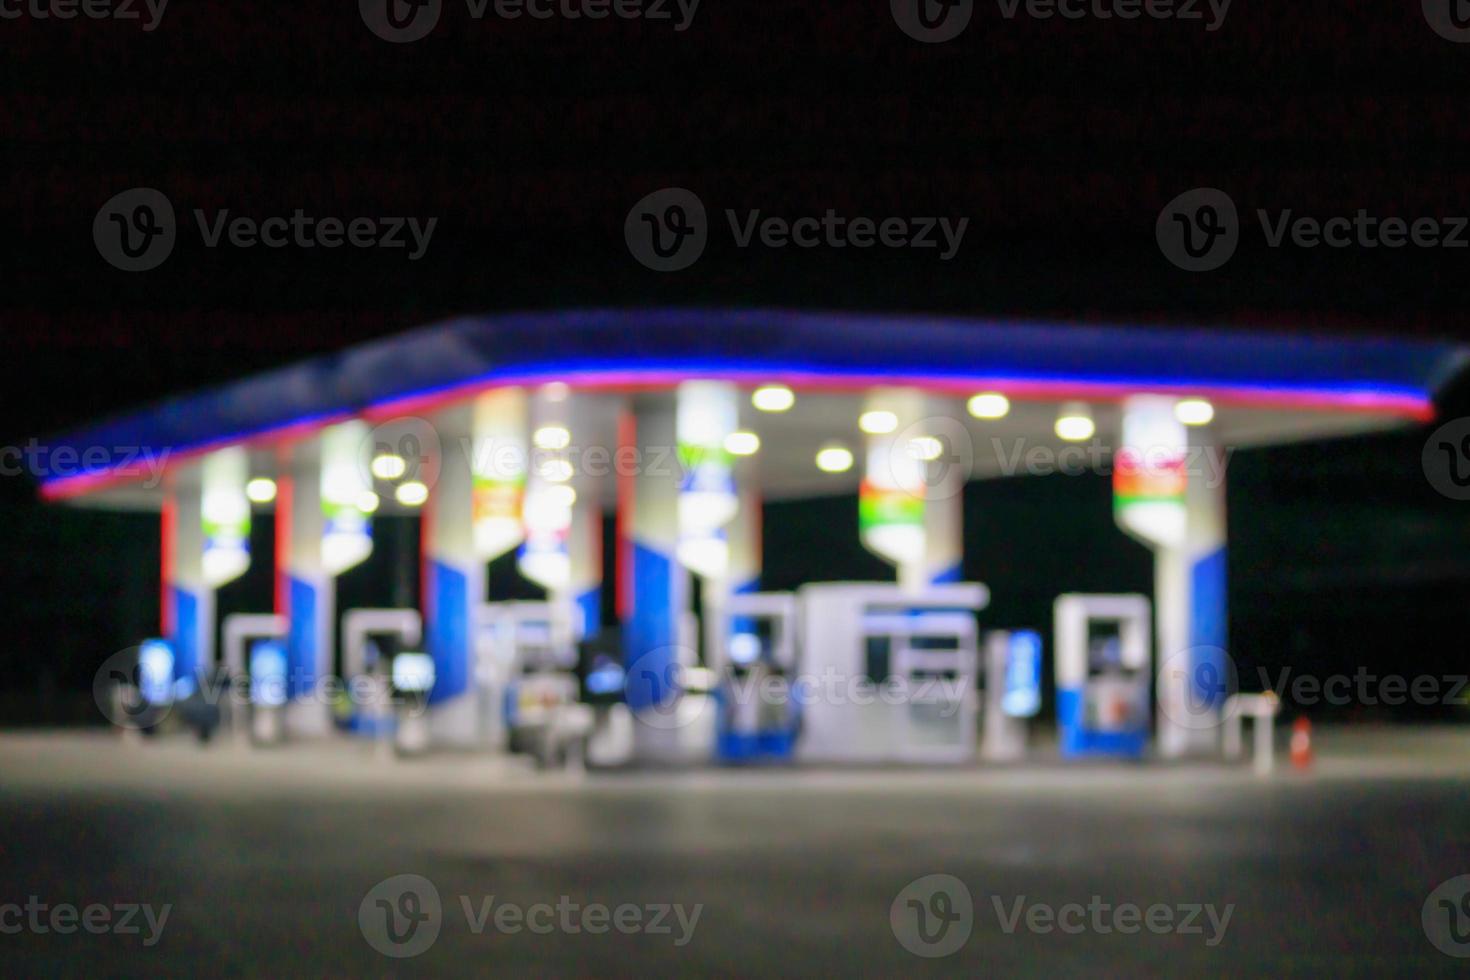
1269,387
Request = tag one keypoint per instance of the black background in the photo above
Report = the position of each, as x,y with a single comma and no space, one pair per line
530,141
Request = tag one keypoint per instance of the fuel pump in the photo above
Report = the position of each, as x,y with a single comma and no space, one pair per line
1103,676
413,679
753,656
889,674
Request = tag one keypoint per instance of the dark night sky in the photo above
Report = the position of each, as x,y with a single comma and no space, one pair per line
529,141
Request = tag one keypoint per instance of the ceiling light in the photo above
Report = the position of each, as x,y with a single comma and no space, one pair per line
742,443
878,423
1194,411
552,437
990,405
411,494
389,466
1075,424
834,459
261,490
773,398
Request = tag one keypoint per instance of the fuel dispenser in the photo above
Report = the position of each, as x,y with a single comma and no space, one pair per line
413,679
528,652
1012,692
370,640
888,674
753,657
239,631
268,691
1103,674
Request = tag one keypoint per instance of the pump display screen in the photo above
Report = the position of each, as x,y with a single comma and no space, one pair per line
268,672
1021,697
156,671
1104,647
413,672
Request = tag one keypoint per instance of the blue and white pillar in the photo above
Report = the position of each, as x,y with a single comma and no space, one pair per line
911,503
208,545
655,590
1169,492
188,606
473,515
326,533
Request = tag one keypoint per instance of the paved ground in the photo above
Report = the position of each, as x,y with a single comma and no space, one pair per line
267,858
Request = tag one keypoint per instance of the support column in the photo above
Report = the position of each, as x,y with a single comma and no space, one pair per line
206,526
585,548
1169,492
1191,586
325,532
454,573
911,504
188,601
657,586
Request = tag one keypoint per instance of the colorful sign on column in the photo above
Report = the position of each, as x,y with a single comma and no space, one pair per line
891,496
707,413
545,557
499,459
225,515
1149,475
347,533
1181,516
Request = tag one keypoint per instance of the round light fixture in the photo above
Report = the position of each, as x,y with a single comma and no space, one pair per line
989,405
834,459
773,398
261,490
411,494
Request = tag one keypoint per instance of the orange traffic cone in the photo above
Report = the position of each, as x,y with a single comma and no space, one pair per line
1301,744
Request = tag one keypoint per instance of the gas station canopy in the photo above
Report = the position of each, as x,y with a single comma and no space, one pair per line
1265,388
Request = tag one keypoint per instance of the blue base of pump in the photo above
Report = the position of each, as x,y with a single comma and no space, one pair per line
1078,741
